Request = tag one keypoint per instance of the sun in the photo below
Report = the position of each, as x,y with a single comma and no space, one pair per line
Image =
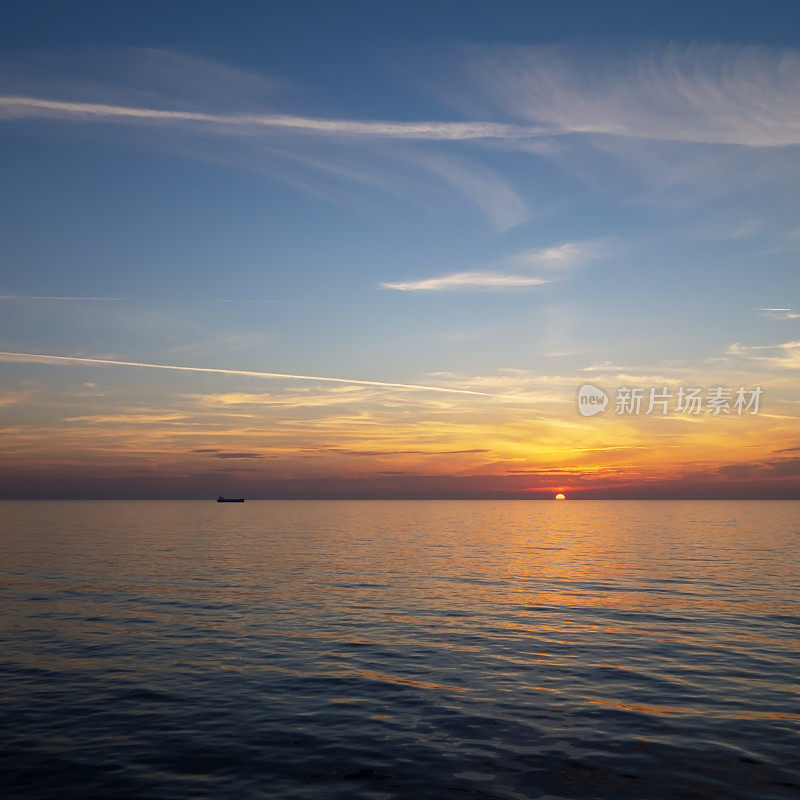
560,496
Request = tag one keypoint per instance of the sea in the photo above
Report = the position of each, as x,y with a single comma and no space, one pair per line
400,650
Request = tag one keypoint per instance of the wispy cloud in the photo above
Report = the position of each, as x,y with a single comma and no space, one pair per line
781,356
226,300
648,107
671,125
562,256
14,107
728,231
466,280
714,94
58,299
303,398
35,358
217,453
129,419
492,194
209,111
778,313
550,259
11,398
541,102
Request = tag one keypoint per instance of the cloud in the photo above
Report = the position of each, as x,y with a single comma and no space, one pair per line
648,108
127,419
302,398
781,356
239,300
483,187
37,298
705,93
777,467
701,93
466,280
139,75
48,298
560,257
383,453
35,358
217,453
200,109
728,231
317,155
12,398
539,102
778,313
669,125
15,107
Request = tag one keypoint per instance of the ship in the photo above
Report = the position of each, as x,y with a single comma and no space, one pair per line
222,499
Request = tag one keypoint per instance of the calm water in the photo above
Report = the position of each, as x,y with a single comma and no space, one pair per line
400,650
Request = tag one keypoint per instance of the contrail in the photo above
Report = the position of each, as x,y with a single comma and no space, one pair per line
42,297
34,358
28,297
22,107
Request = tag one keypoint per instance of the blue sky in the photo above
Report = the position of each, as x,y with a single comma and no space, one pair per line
402,192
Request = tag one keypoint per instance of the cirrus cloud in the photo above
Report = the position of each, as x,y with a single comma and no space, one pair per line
466,280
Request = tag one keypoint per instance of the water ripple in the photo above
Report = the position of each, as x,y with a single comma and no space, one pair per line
402,651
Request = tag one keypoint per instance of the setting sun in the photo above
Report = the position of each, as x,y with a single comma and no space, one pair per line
560,496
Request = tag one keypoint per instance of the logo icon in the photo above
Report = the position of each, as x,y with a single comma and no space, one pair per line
591,400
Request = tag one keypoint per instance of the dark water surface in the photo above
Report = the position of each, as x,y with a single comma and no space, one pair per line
400,650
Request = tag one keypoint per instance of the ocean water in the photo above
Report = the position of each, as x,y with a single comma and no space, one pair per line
412,650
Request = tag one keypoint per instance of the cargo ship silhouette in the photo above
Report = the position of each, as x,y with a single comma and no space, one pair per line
222,499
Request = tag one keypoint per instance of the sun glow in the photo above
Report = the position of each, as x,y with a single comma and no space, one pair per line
560,496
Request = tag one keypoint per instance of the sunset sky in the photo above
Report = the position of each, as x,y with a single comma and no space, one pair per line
465,210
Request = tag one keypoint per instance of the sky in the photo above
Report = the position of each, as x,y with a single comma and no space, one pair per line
375,249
